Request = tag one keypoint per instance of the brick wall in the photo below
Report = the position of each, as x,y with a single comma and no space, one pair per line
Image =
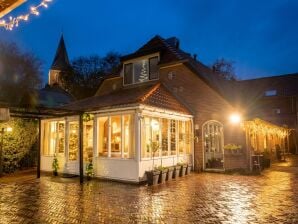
205,103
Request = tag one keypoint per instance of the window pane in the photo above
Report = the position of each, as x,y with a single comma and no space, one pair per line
103,133
155,144
73,141
164,137
188,137
116,136
181,137
153,68
146,138
173,136
128,74
141,71
61,136
88,141
128,151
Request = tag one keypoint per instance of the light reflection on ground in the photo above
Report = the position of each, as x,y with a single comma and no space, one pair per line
199,198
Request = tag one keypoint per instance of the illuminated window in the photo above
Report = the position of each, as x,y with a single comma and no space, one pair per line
173,127
141,71
103,135
116,140
73,140
53,137
182,137
116,136
164,136
88,141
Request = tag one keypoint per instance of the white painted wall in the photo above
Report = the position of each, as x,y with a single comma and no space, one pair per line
117,169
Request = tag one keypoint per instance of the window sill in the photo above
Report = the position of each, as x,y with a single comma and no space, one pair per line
113,158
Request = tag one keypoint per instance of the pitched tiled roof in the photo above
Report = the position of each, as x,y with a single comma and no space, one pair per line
152,95
170,52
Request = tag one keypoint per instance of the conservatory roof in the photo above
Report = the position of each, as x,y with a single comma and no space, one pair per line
155,95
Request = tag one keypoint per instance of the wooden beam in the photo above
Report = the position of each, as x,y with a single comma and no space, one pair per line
38,149
81,129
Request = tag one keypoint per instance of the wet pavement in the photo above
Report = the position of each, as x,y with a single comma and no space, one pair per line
198,198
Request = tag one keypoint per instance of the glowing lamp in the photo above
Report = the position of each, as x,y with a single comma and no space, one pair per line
155,125
235,118
9,129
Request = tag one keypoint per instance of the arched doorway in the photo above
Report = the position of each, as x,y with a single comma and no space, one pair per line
213,142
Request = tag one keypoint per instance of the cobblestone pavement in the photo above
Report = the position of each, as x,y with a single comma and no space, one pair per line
197,198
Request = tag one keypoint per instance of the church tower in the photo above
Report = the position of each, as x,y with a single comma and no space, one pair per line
60,64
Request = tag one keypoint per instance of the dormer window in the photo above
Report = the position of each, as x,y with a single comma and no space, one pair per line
142,70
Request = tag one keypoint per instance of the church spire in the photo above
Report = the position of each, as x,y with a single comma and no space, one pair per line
60,65
61,61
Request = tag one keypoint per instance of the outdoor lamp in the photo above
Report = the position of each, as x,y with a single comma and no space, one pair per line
235,118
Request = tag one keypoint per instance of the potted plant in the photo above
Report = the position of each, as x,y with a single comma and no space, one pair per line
177,169
188,169
232,148
183,169
153,175
171,170
163,174
55,166
266,159
89,171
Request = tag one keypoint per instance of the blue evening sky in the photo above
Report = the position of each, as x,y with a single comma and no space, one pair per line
259,36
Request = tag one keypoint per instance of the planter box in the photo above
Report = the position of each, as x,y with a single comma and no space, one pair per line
152,177
163,176
170,173
176,171
188,170
183,170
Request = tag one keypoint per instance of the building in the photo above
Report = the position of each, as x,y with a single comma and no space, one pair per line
164,107
274,99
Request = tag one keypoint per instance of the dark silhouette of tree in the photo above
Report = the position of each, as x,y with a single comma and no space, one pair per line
20,73
224,68
87,74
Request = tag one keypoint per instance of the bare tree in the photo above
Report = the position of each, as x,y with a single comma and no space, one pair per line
87,74
224,68
20,73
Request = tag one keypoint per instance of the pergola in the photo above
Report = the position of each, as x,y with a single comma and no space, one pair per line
262,136
40,113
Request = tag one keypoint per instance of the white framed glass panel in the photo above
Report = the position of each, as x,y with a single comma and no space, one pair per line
88,141
173,129
164,136
103,136
73,140
116,136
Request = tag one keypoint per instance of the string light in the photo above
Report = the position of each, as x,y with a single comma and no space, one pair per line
13,22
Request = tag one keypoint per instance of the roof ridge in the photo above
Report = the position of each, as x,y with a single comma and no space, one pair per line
151,91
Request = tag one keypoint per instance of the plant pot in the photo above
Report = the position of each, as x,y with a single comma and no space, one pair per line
55,173
183,170
266,162
152,177
163,176
170,173
188,170
176,171
89,178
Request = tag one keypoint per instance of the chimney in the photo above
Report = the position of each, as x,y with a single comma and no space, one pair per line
195,56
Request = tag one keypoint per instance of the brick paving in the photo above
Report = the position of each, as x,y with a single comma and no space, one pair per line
199,198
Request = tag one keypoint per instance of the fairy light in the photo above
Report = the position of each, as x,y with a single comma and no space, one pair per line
13,22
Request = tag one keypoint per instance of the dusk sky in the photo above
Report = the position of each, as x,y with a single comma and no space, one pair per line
259,36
